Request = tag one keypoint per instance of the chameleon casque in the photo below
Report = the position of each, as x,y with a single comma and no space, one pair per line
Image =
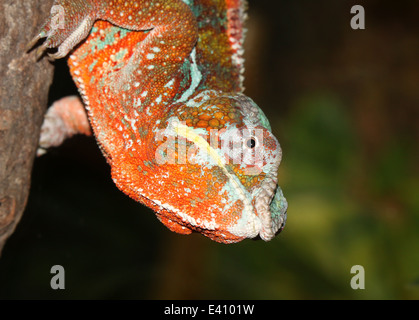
161,81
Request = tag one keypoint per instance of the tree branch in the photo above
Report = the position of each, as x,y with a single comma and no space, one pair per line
23,99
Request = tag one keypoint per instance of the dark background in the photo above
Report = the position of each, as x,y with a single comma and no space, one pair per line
344,105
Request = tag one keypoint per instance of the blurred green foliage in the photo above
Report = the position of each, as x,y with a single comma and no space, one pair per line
344,106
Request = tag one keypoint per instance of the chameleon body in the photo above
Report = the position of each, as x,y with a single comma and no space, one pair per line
161,81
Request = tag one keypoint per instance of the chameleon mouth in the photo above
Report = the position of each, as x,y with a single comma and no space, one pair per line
267,214
271,207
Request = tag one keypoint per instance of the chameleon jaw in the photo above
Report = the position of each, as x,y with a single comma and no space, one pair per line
269,211
270,204
271,222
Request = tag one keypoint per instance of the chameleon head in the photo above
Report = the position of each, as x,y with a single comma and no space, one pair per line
220,148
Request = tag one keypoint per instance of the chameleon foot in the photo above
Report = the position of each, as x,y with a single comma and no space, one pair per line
68,24
65,118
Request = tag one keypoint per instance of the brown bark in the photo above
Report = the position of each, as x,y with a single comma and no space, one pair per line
23,99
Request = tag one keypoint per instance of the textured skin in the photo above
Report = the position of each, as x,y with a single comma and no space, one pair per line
161,82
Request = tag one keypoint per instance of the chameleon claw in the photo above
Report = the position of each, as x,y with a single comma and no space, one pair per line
52,57
32,43
56,55
40,51
40,151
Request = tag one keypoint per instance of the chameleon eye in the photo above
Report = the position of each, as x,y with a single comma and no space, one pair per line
251,143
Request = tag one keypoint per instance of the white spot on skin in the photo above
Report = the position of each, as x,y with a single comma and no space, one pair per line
129,144
150,56
132,122
170,84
